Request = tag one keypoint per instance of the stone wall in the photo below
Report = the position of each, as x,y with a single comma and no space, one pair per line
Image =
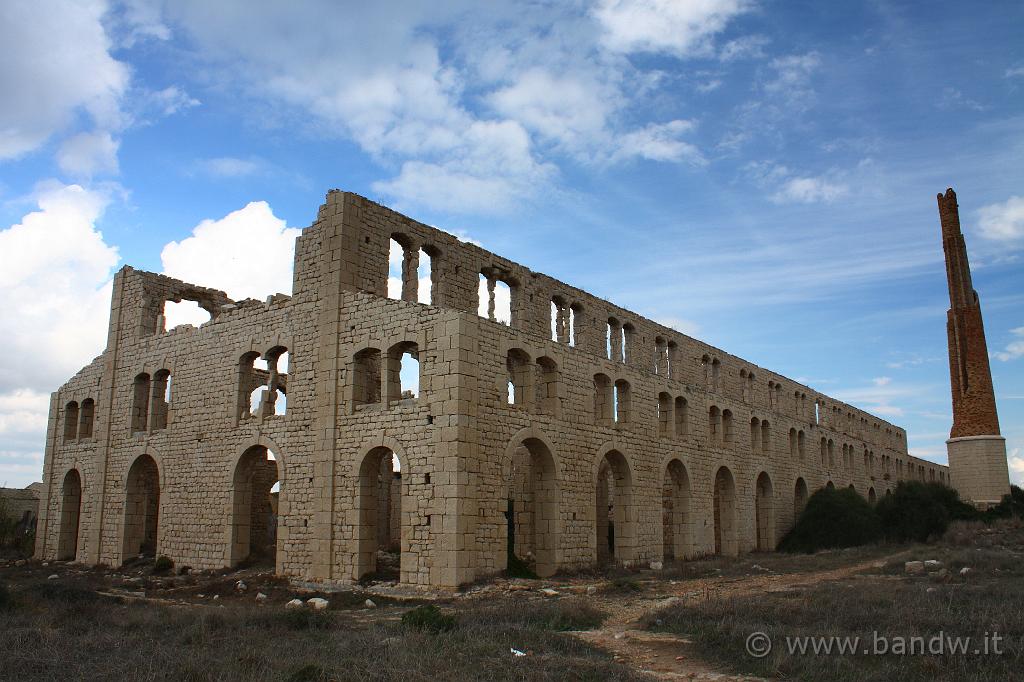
464,450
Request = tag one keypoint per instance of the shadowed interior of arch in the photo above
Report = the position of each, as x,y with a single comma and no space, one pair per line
614,512
532,507
255,505
677,534
380,533
141,509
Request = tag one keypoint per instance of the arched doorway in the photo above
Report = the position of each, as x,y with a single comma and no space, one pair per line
677,538
725,513
799,498
614,509
70,512
255,498
141,509
764,513
380,528
871,495
532,507
830,486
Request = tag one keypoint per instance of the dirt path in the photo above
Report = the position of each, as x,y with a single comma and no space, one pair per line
670,657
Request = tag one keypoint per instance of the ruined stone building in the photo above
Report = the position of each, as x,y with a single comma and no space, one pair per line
563,429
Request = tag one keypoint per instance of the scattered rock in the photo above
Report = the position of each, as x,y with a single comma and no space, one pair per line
370,604
216,597
317,603
46,563
941,573
548,592
620,635
913,567
20,562
931,589
965,570
932,565
657,565
260,597
201,596
52,577
241,586
591,590
294,604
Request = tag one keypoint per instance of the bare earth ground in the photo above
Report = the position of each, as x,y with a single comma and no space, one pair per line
632,642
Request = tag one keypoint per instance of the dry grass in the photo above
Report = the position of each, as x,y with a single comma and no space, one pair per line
52,630
988,599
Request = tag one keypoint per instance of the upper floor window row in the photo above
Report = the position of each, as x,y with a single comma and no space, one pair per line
79,420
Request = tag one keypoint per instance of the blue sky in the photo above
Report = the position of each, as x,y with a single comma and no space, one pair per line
759,174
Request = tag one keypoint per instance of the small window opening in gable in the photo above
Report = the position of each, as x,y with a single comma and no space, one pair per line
425,275
495,299
519,369
622,402
396,258
574,313
681,416
140,403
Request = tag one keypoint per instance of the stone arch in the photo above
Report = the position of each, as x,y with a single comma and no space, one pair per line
830,485
254,511
70,515
677,531
140,535
381,506
533,520
871,495
799,497
615,514
724,500
764,512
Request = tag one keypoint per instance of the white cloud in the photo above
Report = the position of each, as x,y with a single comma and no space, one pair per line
56,63
230,167
172,100
684,326
1003,222
1015,72
55,271
788,187
1015,460
746,47
1014,349
679,28
660,142
248,253
955,99
791,78
809,190
87,154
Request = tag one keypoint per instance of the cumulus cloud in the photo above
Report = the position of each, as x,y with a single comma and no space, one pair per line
87,154
248,253
679,28
1014,349
231,167
1015,460
56,64
55,271
1003,222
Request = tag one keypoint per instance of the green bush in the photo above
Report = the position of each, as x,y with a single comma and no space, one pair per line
1012,505
833,519
162,564
429,618
5,597
918,511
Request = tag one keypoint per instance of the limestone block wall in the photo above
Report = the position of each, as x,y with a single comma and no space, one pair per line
170,410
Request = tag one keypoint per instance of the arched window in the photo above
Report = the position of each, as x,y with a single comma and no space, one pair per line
88,416
714,425
603,400
140,403
660,356
403,368
497,296
727,431
801,442
622,402
366,373
755,434
628,342
766,437
664,413
70,421
792,443
548,400
160,400
682,417
613,339
518,367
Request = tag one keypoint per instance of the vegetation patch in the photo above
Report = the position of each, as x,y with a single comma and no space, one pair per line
429,618
833,519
